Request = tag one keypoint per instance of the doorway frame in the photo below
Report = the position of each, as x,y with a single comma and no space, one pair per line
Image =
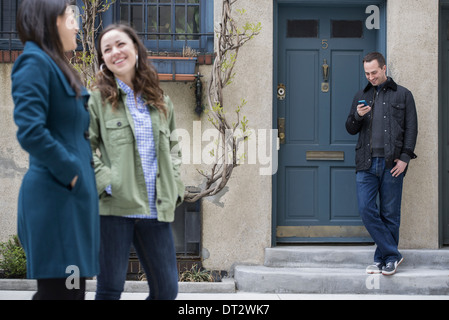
381,47
443,5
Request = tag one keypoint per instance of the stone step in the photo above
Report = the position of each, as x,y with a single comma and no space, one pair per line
341,270
349,257
407,281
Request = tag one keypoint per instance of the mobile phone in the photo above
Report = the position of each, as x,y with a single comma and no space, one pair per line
363,102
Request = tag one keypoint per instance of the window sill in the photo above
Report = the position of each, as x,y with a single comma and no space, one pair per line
177,68
202,59
168,66
176,77
9,56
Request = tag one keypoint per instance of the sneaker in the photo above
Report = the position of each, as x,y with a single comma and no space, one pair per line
375,268
391,267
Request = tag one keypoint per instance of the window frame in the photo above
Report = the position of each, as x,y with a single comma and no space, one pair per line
9,39
203,44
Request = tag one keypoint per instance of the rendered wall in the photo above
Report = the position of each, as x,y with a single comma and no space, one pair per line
13,161
412,61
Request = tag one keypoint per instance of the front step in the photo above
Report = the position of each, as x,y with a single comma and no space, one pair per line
341,270
349,257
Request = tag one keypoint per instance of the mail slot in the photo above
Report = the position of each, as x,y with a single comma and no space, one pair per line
325,156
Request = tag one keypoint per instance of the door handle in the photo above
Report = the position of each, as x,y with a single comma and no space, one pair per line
325,67
325,83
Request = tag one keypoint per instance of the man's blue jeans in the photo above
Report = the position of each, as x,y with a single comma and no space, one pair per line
382,222
153,241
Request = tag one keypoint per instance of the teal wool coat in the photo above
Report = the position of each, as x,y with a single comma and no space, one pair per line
57,226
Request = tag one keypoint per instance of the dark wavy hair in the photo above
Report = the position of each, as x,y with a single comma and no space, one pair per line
36,21
145,82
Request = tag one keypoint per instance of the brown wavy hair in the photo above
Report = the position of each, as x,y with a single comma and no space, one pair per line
145,82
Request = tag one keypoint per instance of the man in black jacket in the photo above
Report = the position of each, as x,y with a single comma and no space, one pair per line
384,116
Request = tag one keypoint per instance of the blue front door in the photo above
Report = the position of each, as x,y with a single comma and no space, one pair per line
320,52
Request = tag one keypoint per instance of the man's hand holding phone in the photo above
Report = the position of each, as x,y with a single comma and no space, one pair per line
363,108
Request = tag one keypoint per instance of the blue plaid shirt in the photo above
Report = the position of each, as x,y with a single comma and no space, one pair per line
145,144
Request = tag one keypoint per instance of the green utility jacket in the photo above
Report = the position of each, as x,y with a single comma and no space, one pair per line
117,160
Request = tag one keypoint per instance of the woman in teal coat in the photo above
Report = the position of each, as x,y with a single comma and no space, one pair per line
58,220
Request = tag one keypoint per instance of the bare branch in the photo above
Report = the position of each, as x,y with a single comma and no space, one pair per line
86,62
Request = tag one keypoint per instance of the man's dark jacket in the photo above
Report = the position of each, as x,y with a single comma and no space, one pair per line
401,125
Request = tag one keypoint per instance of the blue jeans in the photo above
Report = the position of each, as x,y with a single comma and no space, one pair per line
382,222
153,241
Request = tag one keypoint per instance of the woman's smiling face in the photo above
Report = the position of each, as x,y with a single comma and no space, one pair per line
119,54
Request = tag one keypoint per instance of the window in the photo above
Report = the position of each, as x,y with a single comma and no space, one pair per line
302,29
8,10
8,35
347,29
170,25
164,25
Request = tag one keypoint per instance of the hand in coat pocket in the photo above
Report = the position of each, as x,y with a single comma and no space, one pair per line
73,183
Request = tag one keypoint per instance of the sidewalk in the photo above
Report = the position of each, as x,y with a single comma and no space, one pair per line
239,296
23,289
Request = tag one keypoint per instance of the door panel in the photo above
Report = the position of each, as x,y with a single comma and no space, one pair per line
343,206
302,121
320,64
347,88
302,201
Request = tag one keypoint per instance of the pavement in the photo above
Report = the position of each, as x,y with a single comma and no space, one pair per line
239,296
24,289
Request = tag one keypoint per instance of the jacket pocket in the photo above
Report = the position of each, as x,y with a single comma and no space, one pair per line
164,138
397,122
398,112
119,131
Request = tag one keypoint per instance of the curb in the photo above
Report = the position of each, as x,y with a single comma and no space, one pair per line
225,286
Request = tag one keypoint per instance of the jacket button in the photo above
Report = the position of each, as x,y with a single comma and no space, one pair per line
119,124
159,201
92,163
86,135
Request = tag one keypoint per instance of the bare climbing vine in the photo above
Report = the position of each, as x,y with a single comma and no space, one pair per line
230,38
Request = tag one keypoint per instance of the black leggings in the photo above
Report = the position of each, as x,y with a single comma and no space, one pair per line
56,289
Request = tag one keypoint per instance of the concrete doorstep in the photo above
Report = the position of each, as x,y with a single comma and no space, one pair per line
341,270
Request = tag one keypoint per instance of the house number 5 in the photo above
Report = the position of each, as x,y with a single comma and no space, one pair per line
324,44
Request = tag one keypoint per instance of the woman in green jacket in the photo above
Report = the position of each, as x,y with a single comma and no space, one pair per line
137,163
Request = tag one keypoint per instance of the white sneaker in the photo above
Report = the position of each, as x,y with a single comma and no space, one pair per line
391,267
375,268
